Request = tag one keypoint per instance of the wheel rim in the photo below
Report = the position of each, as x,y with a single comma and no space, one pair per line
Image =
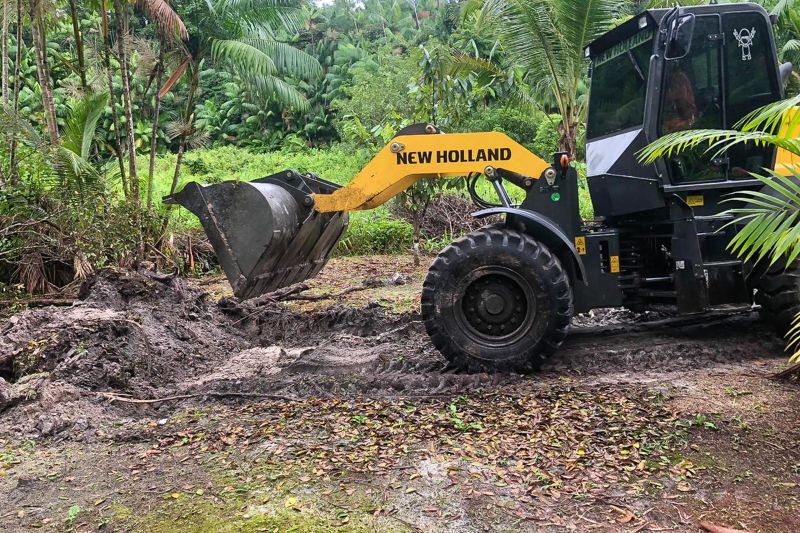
497,306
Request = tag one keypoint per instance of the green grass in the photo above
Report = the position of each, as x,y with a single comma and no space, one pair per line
213,165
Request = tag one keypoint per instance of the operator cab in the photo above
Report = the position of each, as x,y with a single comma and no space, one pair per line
671,70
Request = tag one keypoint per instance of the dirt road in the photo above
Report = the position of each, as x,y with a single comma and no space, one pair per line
340,414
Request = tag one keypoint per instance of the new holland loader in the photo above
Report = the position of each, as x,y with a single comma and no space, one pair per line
502,297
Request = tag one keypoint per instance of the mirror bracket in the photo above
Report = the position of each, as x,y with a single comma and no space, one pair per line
679,37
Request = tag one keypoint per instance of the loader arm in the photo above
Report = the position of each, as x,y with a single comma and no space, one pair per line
281,229
411,158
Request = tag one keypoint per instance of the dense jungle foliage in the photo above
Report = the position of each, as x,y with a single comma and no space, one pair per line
109,105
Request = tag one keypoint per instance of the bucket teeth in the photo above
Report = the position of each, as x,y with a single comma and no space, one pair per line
265,233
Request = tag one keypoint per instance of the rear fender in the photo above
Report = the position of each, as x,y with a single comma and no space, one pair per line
546,231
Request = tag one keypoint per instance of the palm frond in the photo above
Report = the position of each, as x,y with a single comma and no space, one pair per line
715,141
782,7
469,7
178,128
268,88
459,64
271,15
792,45
70,169
580,21
174,77
770,117
243,56
81,123
167,20
771,219
287,59
74,171
532,39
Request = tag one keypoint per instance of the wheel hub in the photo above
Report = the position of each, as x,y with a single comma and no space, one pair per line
495,306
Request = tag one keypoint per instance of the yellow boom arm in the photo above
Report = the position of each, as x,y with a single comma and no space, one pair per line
410,158
786,161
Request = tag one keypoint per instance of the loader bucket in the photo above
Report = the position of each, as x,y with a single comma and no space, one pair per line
266,233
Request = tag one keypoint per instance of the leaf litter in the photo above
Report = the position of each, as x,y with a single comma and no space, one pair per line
372,403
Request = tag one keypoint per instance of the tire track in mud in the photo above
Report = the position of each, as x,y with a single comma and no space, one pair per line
401,361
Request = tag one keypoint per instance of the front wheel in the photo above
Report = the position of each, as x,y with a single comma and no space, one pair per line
497,300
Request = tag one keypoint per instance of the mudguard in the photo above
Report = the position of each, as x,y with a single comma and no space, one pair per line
543,229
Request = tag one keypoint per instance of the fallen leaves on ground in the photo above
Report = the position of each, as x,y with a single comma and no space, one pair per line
554,443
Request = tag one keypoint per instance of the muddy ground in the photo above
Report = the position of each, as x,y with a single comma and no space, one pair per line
339,414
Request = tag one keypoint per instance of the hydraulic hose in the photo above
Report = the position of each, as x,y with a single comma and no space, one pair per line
472,181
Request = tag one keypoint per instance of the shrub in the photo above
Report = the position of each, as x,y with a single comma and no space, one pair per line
519,125
376,232
547,137
378,99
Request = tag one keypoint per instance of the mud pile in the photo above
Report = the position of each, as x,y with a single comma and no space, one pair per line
147,336
128,333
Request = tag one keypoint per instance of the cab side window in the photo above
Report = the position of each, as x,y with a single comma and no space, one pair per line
749,83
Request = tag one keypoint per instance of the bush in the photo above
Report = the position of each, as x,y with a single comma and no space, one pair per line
520,126
547,138
584,198
376,232
378,100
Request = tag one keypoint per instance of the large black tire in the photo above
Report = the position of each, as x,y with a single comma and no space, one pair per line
778,294
497,300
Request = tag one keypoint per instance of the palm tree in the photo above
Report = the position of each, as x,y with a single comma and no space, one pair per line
69,158
546,38
770,217
788,30
121,19
12,166
76,32
172,38
245,38
105,37
6,17
36,13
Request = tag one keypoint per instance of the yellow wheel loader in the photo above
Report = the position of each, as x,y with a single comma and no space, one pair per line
501,298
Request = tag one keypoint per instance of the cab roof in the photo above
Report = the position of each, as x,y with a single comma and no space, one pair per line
651,18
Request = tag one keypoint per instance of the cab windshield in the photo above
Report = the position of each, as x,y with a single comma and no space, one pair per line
619,86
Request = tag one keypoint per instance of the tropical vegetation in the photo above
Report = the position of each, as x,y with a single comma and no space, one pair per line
108,105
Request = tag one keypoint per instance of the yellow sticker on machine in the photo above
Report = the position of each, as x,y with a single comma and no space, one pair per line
615,264
695,200
580,245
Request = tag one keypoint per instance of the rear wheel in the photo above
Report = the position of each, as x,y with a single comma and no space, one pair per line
778,294
497,300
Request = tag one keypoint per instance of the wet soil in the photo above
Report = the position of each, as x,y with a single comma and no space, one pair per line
699,382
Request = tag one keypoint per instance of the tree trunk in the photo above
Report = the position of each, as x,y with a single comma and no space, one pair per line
189,119
5,77
154,136
5,54
13,173
121,15
568,137
178,163
43,72
112,98
76,30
